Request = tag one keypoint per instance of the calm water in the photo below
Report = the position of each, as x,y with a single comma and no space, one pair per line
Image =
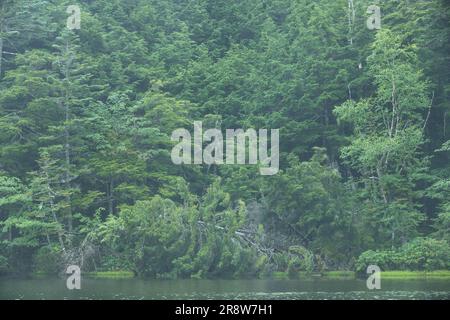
222,289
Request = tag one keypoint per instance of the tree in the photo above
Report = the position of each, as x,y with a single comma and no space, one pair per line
17,17
310,205
440,191
388,127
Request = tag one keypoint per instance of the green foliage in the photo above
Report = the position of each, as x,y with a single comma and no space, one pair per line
386,260
300,260
310,202
420,254
86,118
162,239
425,254
305,256
3,265
388,128
47,260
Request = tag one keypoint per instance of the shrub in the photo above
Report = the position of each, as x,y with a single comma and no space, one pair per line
281,261
383,259
47,260
111,262
420,254
425,254
300,259
3,264
306,258
293,266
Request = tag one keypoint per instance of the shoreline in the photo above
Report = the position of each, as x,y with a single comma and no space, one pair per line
337,274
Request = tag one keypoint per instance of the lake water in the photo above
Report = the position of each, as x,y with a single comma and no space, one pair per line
55,288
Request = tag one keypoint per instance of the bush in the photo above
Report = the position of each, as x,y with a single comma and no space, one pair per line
294,266
425,254
421,254
48,260
111,262
20,259
281,261
306,258
301,259
383,259
3,264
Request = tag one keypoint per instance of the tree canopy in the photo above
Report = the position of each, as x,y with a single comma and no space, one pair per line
86,118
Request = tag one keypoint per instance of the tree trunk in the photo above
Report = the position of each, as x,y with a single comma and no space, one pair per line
67,173
383,192
110,191
393,239
60,236
2,29
351,19
52,210
67,141
1,51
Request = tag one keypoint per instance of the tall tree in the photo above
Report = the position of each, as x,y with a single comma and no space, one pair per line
389,132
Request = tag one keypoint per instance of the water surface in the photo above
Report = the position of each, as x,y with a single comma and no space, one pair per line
55,288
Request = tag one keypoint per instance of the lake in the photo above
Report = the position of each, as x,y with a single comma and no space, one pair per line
270,289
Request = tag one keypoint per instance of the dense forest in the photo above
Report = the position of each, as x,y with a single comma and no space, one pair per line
86,117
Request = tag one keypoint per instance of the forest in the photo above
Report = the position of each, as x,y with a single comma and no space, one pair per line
87,114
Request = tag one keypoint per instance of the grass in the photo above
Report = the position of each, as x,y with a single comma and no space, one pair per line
327,274
40,274
439,274
110,274
119,274
279,275
339,274
407,275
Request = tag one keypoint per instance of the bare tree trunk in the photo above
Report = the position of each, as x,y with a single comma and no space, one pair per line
383,192
67,173
111,196
1,50
351,19
60,238
2,9
393,239
2,29
52,209
67,140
